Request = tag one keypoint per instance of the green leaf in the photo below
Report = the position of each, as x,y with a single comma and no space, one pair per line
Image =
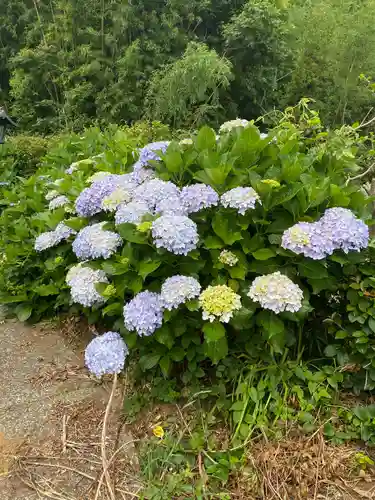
216,350
173,161
192,305
329,430
263,254
330,351
312,269
371,324
148,361
147,267
114,309
213,331
225,229
177,354
165,365
165,336
206,138
212,242
45,290
23,311
129,233
271,324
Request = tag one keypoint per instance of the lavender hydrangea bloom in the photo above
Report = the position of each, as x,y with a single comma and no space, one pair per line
59,201
150,152
82,281
144,313
176,233
106,354
93,242
240,198
89,202
309,239
276,292
346,231
155,192
177,290
198,196
46,240
132,212
63,231
140,175
170,206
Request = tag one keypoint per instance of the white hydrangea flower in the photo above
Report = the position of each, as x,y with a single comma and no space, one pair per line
186,142
58,202
82,281
240,198
228,258
118,197
52,194
177,290
232,124
276,292
98,176
46,240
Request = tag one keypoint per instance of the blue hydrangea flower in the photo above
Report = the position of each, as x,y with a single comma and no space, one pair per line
82,281
132,212
144,313
198,196
177,290
151,152
170,206
89,202
140,175
240,198
154,192
310,239
346,231
93,242
63,231
176,233
106,354
46,240
59,201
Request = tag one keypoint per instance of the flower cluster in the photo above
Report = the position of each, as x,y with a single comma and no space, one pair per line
52,238
59,201
132,212
177,290
155,192
151,152
89,202
176,233
240,198
52,194
228,258
144,313
337,229
219,303
198,196
347,232
276,292
232,124
82,281
93,242
119,196
106,354
98,176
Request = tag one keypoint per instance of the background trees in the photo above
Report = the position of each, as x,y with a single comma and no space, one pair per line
65,64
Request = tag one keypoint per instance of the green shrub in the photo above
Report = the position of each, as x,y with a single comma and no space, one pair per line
21,154
298,170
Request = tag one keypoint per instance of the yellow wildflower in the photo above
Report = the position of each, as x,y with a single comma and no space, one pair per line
158,431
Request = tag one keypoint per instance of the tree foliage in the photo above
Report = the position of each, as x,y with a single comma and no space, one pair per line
67,64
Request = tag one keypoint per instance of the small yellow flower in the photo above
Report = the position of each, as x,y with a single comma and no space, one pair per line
219,302
158,431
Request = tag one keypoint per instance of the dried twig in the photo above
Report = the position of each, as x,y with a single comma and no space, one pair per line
103,443
359,176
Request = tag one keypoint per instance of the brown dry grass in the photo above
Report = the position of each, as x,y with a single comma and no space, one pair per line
303,468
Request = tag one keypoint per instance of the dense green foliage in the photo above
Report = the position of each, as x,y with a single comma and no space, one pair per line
65,64
309,170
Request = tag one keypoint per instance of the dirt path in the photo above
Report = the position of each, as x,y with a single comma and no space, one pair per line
51,415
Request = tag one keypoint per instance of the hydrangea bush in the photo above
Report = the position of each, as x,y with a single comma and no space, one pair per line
185,251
